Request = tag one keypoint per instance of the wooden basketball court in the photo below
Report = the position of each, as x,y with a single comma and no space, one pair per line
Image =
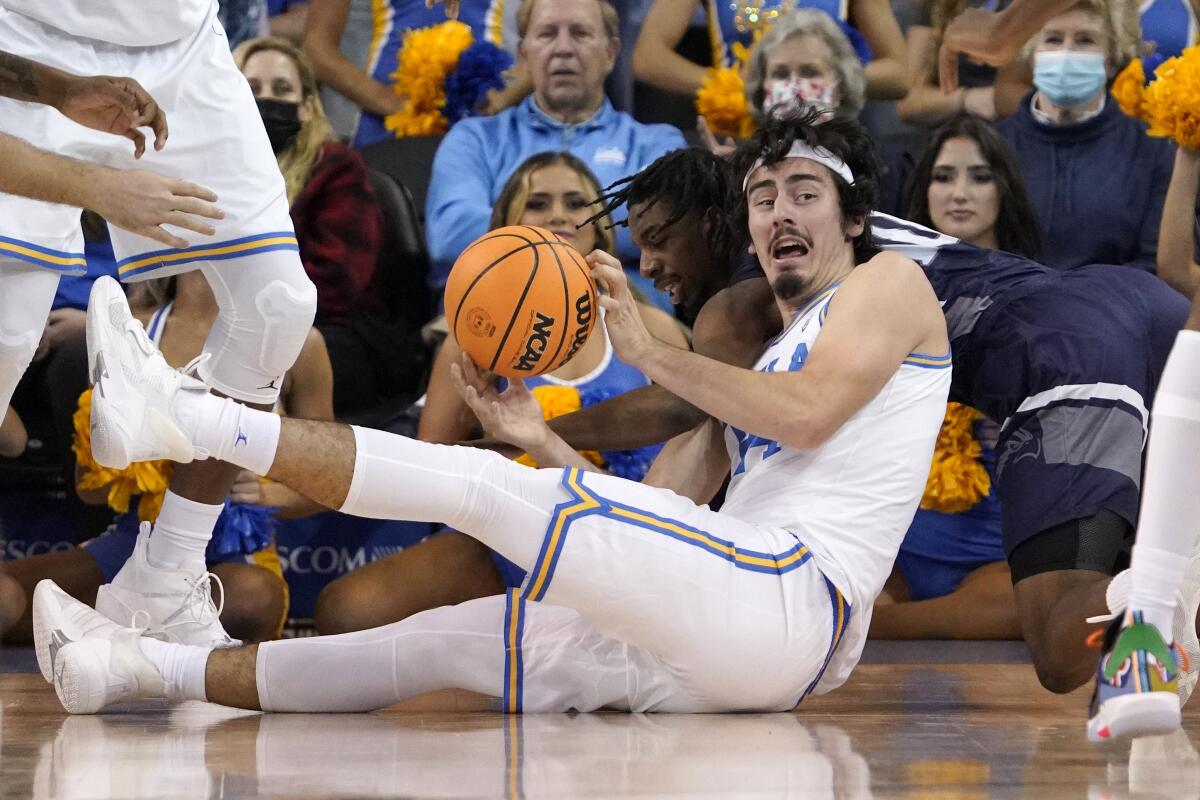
917,720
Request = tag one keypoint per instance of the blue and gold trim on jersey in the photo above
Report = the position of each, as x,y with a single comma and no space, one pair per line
841,618
39,256
139,265
929,362
514,663
827,294
582,503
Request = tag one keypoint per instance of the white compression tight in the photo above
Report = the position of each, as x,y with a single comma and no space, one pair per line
1170,517
569,664
26,294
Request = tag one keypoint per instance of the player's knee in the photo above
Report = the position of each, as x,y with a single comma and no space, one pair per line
286,308
1060,672
344,606
254,604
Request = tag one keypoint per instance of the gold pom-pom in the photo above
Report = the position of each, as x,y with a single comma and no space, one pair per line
555,402
957,479
722,103
1172,100
1129,89
148,479
427,56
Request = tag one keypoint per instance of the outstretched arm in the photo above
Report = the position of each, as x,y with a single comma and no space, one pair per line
1177,233
119,106
993,37
135,200
884,311
654,58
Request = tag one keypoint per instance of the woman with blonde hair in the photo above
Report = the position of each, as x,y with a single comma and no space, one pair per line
338,225
555,191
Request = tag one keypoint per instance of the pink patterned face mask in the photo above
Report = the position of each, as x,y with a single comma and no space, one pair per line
781,96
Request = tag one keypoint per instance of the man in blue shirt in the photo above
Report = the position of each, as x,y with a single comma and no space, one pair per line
568,47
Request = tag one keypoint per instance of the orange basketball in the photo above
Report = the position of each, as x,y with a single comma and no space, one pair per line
520,301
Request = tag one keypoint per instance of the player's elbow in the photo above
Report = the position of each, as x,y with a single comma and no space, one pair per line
809,429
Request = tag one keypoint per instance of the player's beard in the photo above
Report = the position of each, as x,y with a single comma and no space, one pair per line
788,286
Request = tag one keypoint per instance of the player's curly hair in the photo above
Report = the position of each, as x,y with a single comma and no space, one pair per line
842,136
687,182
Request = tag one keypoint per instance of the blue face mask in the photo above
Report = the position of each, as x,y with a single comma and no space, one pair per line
1068,78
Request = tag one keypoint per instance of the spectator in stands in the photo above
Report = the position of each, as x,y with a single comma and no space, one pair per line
371,86
177,313
1177,235
568,47
338,224
1097,181
871,23
951,579
287,18
243,20
984,91
555,191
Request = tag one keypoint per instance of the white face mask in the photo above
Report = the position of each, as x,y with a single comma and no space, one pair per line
783,95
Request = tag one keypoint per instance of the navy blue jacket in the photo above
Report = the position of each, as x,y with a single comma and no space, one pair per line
1098,186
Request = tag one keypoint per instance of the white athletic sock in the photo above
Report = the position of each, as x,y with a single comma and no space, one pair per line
1155,570
181,532
229,431
182,667
1170,515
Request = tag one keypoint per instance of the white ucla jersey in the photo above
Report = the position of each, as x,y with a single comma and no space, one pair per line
129,23
852,499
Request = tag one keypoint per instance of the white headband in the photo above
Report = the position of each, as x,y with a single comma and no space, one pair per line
800,149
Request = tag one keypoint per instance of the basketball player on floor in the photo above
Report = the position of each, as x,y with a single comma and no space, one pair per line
179,53
1067,362
648,601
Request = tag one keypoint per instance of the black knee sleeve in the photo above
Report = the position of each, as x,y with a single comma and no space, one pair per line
1100,543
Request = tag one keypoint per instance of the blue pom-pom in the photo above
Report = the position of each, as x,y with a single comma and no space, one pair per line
242,528
480,69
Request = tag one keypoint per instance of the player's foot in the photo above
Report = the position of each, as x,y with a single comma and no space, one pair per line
59,618
1136,683
174,605
101,666
1183,628
93,673
133,386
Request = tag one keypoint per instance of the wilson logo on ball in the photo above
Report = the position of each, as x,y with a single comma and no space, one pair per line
479,323
583,322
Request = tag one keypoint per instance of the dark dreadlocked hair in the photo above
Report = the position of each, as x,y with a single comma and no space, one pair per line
841,135
686,182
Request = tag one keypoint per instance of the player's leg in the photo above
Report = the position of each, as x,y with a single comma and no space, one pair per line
26,294
534,657
446,569
266,307
1158,597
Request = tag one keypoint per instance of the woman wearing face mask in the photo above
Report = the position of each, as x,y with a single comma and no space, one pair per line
338,225
951,579
555,191
1097,181
803,59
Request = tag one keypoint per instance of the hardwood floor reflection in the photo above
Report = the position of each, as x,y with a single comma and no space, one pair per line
945,731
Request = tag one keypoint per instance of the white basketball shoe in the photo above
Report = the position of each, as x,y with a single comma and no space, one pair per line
1183,628
174,605
133,386
103,666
